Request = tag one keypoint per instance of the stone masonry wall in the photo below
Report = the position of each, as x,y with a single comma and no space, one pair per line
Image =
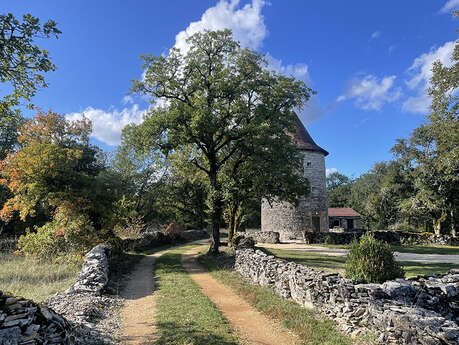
422,311
292,222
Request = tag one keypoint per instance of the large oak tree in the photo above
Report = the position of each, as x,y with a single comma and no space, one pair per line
218,100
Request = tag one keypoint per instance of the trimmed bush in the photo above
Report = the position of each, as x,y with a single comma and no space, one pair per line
372,261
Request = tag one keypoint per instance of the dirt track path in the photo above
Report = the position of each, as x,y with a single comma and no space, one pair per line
138,313
139,310
251,324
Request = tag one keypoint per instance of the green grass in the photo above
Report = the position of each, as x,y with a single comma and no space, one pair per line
322,262
337,264
305,323
417,249
427,249
184,315
25,277
414,269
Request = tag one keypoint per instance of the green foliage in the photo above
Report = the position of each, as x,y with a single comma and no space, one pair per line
338,190
61,238
22,63
372,261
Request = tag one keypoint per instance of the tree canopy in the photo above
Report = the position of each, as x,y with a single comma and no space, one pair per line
217,101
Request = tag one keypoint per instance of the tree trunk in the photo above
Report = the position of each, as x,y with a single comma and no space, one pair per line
216,212
231,226
453,222
437,223
436,226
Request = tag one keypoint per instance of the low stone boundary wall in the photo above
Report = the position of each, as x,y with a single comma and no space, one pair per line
263,236
153,239
395,237
93,276
423,311
25,322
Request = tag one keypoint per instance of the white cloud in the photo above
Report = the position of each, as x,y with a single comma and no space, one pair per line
450,5
375,35
421,71
247,23
107,126
128,100
370,93
330,171
248,27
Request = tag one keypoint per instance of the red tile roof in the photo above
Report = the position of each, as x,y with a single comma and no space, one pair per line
342,212
304,141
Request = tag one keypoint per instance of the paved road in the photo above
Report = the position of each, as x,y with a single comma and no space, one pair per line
422,258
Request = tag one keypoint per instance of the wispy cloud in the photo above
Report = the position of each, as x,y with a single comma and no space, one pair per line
370,93
449,6
421,73
376,35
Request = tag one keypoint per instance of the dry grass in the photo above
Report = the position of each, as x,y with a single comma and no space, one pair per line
34,280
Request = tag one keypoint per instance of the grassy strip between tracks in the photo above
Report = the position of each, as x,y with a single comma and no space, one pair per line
184,315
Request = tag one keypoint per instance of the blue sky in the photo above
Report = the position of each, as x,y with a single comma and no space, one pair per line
369,61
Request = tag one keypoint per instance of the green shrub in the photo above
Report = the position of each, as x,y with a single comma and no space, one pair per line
372,261
62,238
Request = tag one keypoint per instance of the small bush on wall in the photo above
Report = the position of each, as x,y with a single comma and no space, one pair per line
372,261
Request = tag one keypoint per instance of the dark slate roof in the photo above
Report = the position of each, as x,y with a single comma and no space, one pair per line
304,141
342,212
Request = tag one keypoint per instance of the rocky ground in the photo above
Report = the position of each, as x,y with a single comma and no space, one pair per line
95,318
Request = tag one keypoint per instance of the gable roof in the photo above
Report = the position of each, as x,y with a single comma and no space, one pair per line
342,212
303,140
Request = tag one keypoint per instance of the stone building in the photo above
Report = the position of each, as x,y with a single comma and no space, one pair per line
344,218
312,212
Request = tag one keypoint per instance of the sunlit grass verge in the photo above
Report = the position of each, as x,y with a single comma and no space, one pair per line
184,315
35,280
330,263
407,248
311,329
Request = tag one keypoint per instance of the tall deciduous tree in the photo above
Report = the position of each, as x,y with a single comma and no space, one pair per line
219,98
338,190
433,149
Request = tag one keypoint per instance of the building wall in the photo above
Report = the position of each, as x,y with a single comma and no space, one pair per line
291,222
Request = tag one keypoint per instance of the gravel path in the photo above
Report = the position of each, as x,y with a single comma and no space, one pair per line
251,325
421,258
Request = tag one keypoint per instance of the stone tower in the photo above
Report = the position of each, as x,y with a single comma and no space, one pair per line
312,212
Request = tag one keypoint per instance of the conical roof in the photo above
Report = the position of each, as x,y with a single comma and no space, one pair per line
303,140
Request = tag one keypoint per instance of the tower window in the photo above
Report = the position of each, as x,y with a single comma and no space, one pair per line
308,164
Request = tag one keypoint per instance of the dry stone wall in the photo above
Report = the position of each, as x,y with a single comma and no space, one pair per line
395,237
423,311
23,322
93,276
262,236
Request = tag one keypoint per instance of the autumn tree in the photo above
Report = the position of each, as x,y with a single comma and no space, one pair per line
56,172
217,99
